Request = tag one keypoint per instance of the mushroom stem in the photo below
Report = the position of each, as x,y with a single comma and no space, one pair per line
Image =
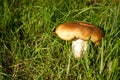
79,47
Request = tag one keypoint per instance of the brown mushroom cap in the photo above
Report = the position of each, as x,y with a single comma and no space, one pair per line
81,30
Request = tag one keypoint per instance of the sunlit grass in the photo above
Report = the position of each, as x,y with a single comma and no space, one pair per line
30,50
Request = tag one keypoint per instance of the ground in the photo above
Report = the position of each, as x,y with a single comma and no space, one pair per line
30,50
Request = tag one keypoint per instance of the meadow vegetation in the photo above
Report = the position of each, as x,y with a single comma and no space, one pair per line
30,50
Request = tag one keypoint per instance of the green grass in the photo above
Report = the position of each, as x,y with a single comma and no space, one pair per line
30,50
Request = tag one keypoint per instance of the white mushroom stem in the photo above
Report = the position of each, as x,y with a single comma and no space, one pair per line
79,47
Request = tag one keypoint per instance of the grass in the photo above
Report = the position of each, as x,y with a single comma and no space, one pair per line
29,49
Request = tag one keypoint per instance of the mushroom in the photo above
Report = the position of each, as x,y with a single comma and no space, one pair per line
79,33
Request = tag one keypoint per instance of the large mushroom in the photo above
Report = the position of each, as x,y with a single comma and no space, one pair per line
79,33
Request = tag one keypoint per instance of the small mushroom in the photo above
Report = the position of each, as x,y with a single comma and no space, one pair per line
79,33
